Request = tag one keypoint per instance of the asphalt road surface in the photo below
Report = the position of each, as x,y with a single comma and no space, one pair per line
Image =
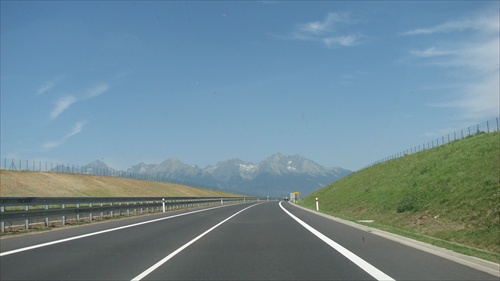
251,241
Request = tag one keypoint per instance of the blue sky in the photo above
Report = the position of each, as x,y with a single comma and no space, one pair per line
344,83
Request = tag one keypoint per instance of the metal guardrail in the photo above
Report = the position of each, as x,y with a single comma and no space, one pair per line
23,212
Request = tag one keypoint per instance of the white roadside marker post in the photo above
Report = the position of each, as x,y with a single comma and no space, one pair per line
317,204
163,203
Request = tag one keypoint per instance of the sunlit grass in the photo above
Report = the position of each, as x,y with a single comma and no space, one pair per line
48,184
449,195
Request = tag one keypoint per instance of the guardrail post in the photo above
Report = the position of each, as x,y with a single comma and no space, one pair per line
78,214
221,202
128,210
111,210
46,218
63,217
27,221
2,209
90,214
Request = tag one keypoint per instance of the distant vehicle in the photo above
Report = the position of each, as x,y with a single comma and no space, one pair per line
285,199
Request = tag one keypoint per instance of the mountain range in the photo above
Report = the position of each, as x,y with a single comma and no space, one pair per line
276,176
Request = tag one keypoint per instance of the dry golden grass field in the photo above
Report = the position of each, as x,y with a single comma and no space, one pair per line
44,184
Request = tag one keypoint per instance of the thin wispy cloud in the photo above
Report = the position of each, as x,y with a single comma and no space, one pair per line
431,52
61,105
51,144
346,41
65,102
96,90
477,58
77,128
325,26
480,24
47,86
329,31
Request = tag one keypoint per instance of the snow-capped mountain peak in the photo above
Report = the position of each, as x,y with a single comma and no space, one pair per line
275,175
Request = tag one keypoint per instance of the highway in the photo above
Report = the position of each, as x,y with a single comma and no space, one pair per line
250,241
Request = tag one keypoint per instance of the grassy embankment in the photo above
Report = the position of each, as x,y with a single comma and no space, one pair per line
448,196
38,184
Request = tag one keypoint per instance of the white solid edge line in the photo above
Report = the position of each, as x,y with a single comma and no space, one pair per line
100,232
368,268
171,255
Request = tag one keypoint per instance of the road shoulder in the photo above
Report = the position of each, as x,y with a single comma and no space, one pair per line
473,262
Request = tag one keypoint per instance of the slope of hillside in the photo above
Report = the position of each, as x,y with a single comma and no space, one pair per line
24,183
450,193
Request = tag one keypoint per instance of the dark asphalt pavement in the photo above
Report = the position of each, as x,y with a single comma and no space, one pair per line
261,242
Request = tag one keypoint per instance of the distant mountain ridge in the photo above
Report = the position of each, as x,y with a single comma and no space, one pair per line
277,175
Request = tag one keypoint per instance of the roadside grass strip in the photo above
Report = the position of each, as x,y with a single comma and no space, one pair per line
368,268
174,253
103,231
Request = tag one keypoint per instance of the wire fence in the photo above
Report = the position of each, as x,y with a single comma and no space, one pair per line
44,166
489,126
51,167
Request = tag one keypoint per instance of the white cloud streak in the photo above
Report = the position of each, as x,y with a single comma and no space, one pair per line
477,57
482,24
345,41
431,52
77,128
95,91
61,105
65,102
48,85
327,31
51,144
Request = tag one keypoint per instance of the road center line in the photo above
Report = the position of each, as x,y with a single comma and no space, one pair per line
368,268
171,255
101,232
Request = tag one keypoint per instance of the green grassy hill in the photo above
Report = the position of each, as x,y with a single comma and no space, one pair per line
448,196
